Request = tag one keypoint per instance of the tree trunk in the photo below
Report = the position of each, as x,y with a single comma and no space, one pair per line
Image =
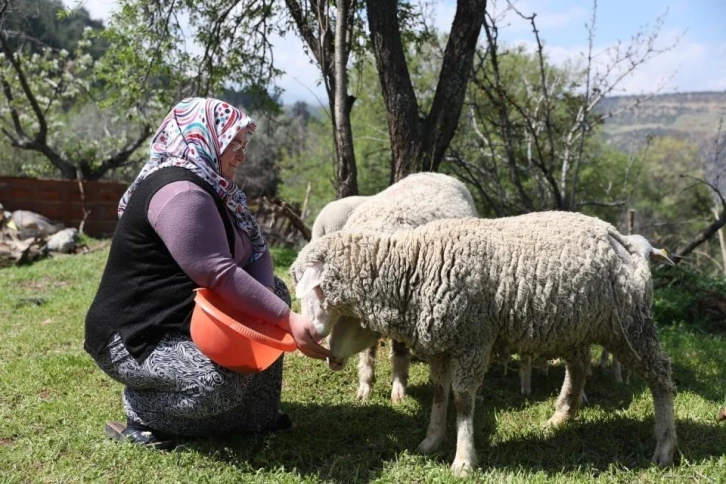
319,40
347,183
721,241
418,144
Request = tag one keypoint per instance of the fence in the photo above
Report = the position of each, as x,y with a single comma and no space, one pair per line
66,201
63,201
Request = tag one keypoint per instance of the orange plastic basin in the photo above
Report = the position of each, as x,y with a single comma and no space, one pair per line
233,339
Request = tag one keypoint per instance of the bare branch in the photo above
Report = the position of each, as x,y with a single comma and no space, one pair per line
27,91
284,208
498,99
699,181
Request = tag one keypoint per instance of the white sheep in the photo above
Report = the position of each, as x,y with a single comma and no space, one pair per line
638,245
411,202
458,291
334,215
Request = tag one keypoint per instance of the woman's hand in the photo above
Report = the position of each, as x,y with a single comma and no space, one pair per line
305,335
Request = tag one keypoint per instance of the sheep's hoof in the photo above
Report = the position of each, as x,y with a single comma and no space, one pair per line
583,397
556,420
663,455
525,391
364,391
398,392
430,444
461,467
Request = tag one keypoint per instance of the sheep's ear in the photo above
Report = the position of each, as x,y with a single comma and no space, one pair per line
661,255
311,278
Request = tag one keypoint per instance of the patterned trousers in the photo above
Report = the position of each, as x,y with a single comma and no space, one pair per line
179,391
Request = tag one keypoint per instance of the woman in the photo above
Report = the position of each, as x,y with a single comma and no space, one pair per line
184,224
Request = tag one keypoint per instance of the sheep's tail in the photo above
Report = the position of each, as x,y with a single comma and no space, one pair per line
635,278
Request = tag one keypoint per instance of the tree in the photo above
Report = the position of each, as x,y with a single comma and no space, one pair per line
418,143
714,166
530,133
315,23
278,136
44,24
41,85
312,165
234,36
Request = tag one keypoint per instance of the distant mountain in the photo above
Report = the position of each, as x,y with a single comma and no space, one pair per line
693,116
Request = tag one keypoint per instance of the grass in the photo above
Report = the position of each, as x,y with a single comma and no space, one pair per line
54,401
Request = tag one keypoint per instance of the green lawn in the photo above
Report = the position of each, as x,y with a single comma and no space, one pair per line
54,401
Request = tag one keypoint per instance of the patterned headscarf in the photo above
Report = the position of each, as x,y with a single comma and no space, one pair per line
194,135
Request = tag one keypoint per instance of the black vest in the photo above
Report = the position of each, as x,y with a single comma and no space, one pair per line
144,294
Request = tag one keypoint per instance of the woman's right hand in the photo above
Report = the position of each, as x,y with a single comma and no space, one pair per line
305,335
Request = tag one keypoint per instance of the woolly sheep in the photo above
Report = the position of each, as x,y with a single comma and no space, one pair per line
640,246
458,291
334,215
412,201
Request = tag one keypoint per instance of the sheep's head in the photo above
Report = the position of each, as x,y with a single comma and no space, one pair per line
647,251
310,273
348,338
308,279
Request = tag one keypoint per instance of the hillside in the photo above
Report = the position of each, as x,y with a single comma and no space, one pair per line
693,116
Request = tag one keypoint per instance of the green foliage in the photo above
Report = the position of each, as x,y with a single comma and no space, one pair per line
684,296
607,176
78,129
672,205
47,24
314,162
73,129
515,143
312,165
151,51
370,129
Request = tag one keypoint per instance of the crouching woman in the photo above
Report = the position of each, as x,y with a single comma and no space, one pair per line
184,224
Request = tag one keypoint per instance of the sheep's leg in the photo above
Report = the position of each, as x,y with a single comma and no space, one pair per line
617,370
525,374
468,373
617,366
655,368
440,375
367,372
400,361
604,357
568,402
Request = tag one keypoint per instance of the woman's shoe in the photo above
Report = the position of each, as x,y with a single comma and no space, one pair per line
138,435
282,423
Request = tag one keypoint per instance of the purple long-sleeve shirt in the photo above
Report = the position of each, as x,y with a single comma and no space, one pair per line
187,220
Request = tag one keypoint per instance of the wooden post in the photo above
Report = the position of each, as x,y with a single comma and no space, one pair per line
631,221
304,209
721,240
86,212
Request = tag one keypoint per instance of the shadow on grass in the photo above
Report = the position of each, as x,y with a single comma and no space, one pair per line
687,378
502,390
354,442
333,442
349,443
598,445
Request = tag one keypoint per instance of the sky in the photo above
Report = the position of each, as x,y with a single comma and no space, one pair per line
694,29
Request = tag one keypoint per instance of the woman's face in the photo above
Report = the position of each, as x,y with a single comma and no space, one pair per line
233,156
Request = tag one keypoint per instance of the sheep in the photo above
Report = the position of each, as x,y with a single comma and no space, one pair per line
334,215
413,201
458,291
641,246
648,252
